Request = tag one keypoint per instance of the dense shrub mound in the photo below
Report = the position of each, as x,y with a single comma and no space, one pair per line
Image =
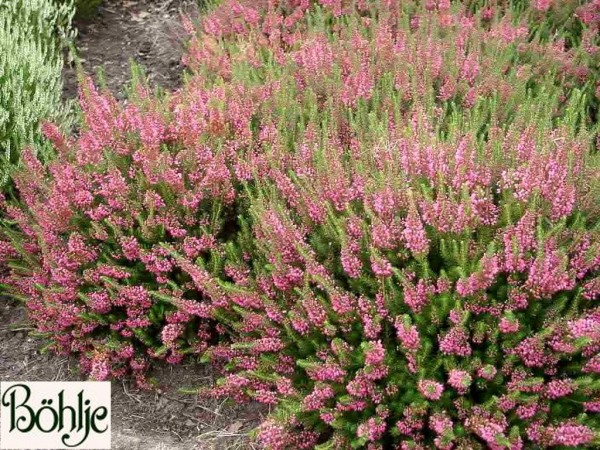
424,294
410,276
99,223
380,218
32,34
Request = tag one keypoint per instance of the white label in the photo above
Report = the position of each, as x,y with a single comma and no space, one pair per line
55,415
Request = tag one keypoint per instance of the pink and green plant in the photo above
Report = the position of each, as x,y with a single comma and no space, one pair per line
443,281
86,245
380,218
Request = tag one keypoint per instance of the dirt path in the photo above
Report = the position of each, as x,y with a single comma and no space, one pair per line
149,32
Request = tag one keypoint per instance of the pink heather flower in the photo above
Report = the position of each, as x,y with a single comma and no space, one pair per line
459,380
100,370
591,289
431,390
266,396
384,234
318,398
99,301
414,234
487,372
350,262
375,354
470,68
518,240
272,435
481,279
372,429
412,422
327,417
416,297
588,328
268,345
408,335
371,317
342,303
527,411
572,435
174,357
507,325
559,388
171,333
593,406
517,299
381,267
315,311
443,5
384,202
440,423
548,274
542,5
356,86
53,134
328,372
531,352
490,428
455,342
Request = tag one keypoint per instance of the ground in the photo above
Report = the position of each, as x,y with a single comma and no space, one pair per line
164,419
150,33
146,31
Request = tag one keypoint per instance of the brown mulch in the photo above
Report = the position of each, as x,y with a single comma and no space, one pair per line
148,32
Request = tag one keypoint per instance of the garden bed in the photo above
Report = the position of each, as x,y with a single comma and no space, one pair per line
145,31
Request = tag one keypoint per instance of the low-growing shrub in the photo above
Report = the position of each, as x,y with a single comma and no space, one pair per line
558,38
89,246
425,292
32,33
381,222
413,274
166,175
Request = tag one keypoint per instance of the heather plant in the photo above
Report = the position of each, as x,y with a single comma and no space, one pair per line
89,244
417,269
372,218
546,37
376,67
424,292
32,33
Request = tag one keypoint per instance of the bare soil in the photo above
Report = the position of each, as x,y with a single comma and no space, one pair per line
148,32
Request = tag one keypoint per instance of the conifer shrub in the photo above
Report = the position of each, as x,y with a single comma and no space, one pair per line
32,36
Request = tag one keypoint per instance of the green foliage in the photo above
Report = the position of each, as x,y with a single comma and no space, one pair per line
86,9
32,35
